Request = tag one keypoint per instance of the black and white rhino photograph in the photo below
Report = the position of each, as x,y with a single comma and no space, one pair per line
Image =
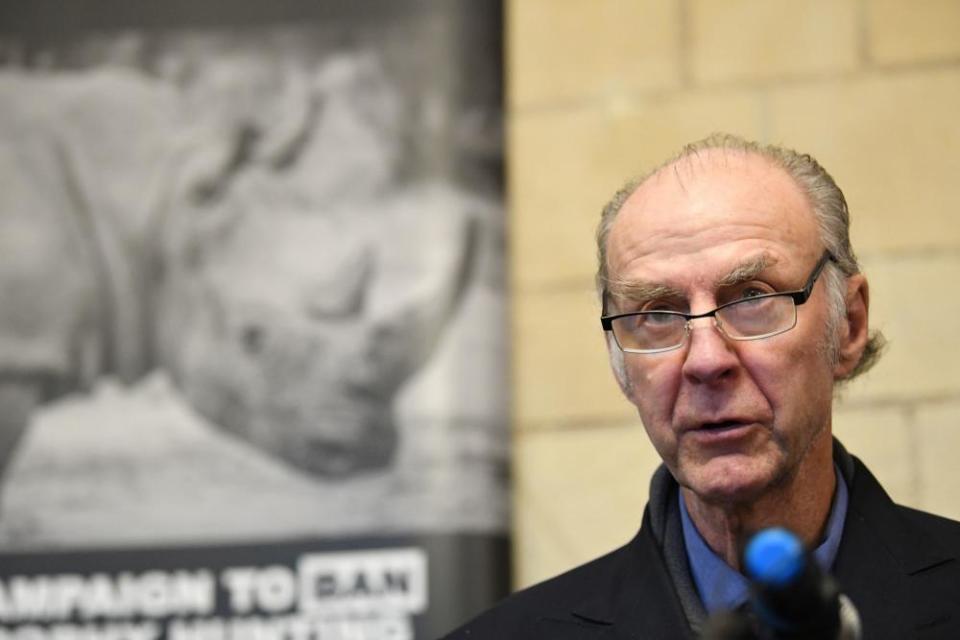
251,285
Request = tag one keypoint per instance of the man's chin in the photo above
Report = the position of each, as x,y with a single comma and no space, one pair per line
728,481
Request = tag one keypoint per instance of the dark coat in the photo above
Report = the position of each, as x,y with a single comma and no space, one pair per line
899,566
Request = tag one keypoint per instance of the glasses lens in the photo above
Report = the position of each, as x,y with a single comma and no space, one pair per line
758,317
649,331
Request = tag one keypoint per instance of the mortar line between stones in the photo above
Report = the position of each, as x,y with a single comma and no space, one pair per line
917,488
684,42
638,97
863,36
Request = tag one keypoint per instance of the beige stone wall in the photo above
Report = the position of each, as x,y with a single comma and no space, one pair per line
601,89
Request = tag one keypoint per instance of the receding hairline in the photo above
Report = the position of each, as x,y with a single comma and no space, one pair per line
684,169
683,172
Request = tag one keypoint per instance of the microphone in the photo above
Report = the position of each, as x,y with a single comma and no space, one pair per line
729,625
791,596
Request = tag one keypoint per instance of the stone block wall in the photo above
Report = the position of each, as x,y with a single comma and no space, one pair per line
602,89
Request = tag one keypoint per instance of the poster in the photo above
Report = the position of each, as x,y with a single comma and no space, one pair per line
253,367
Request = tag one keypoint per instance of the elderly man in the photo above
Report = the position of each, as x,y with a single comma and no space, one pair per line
733,305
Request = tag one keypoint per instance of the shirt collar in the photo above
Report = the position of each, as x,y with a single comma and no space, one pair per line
720,586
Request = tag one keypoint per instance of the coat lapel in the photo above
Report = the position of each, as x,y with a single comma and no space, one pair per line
639,601
888,566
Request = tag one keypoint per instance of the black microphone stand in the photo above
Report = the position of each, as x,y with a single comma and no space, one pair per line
791,597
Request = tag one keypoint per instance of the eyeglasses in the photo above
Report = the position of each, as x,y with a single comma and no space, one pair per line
751,318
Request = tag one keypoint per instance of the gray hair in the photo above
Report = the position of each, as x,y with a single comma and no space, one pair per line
829,207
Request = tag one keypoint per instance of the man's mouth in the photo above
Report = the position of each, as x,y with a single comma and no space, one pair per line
725,425
722,431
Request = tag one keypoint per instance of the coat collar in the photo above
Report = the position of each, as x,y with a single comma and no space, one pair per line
880,550
874,515
900,577
639,599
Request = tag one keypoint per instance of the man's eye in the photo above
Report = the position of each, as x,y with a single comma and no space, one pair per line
750,292
753,292
657,318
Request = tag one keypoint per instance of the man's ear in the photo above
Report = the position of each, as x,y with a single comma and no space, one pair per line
854,327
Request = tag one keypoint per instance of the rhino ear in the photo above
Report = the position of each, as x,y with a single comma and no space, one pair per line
403,340
210,184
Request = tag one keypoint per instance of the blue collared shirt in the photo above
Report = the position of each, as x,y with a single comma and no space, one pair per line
720,586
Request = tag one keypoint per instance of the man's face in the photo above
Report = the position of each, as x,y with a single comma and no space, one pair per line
729,418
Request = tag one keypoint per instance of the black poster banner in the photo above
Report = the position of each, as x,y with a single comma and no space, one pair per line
253,360
392,588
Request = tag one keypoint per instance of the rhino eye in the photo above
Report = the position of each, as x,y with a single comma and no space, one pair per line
252,337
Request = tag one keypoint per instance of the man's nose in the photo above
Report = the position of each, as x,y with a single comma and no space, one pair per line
710,356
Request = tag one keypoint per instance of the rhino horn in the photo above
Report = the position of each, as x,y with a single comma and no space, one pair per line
404,339
344,291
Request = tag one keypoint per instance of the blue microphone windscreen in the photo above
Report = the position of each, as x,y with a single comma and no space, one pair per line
774,557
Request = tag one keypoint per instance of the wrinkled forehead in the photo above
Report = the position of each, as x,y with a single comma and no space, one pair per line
743,177
713,199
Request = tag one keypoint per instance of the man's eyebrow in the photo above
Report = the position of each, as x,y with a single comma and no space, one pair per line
747,270
639,291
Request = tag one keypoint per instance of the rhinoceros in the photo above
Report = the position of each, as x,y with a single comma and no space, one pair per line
287,317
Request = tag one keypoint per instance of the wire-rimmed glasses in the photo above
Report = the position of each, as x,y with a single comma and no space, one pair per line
752,318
